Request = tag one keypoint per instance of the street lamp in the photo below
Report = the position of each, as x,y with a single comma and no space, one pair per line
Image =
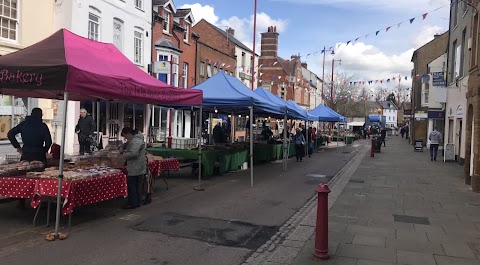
323,75
331,90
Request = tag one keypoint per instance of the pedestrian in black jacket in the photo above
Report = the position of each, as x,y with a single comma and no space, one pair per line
85,128
36,137
36,140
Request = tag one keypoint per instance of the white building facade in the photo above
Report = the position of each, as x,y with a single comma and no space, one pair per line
126,24
434,95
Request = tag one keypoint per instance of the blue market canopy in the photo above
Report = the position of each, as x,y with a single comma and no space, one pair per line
303,112
290,111
227,93
326,114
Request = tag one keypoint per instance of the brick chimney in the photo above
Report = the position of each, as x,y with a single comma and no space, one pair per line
304,65
269,43
231,31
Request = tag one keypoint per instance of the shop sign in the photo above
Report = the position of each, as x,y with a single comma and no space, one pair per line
436,114
439,79
161,67
459,111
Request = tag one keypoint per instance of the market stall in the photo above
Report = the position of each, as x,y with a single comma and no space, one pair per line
69,67
228,94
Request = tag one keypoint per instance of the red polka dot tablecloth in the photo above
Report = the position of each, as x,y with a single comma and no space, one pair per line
154,167
169,164
15,187
82,192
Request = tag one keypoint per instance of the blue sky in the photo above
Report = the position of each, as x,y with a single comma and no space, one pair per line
307,25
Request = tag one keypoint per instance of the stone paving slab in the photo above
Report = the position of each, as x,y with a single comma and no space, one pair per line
399,181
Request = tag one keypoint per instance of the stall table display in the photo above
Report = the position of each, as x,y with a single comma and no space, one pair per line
224,159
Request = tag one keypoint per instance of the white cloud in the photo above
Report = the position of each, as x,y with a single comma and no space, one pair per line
425,35
199,11
243,26
367,62
413,5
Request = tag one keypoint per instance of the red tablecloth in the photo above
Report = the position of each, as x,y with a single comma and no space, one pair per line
170,164
157,166
82,192
15,187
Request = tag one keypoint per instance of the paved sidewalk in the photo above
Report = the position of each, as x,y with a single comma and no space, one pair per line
396,208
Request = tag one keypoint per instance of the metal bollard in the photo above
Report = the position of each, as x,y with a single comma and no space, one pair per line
372,150
321,236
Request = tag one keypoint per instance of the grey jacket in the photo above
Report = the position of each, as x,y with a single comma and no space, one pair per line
435,137
135,156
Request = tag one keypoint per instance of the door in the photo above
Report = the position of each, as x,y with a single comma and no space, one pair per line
163,77
459,145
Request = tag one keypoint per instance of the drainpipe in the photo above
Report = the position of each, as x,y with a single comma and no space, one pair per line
195,36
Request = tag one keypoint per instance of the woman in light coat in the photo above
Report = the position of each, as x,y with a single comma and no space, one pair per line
134,153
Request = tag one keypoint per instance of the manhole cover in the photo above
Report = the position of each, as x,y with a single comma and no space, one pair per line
411,219
356,181
212,231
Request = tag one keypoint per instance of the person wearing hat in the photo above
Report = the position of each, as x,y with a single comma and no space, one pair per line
299,141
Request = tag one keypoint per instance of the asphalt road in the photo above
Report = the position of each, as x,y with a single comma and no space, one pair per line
221,225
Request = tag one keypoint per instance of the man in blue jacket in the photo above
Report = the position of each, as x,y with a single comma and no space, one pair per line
36,137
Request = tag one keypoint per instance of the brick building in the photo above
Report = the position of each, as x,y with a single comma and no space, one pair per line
224,42
472,146
211,60
174,42
282,77
421,59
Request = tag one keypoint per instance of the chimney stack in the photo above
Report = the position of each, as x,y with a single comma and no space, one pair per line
269,43
231,31
304,65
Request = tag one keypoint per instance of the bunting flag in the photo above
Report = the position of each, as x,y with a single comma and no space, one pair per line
398,25
424,15
387,29
411,20
376,34
348,42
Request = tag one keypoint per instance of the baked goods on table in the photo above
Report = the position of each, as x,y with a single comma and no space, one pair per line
72,175
20,168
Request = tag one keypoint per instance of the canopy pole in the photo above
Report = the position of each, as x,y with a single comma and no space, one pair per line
133,117
199,187
210,128
98,122
306,138
285,143
60,167
338,134
251,146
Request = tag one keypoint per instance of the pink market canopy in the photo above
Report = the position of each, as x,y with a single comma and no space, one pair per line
88,70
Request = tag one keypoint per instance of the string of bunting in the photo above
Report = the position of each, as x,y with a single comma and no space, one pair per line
371,82
387,29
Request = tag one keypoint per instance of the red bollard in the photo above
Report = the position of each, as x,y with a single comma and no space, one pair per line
321,236
372,150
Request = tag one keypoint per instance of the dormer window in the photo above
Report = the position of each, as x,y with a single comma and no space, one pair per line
166,21
186,32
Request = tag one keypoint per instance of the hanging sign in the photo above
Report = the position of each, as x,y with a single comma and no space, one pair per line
439,79
161,67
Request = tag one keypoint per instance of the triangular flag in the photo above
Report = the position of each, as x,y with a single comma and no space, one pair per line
377,32
387,29
357,38
366,36
348,42
261,74
322,51
406,77
275,63
424,15
398,25
411,20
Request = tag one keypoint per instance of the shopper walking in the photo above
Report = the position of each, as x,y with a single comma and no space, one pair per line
435,138
299,140
383,135
134,153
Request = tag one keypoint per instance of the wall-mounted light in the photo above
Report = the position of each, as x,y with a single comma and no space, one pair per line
229,116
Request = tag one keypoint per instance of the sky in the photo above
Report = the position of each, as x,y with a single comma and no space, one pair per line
306,26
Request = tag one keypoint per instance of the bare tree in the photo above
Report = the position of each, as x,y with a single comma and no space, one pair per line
348,96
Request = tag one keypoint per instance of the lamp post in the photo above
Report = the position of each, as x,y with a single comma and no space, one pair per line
331,89
254,35
323,75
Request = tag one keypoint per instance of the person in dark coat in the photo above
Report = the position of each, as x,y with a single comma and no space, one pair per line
218,134
36,137
36,140
299,141
85,128
383,135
